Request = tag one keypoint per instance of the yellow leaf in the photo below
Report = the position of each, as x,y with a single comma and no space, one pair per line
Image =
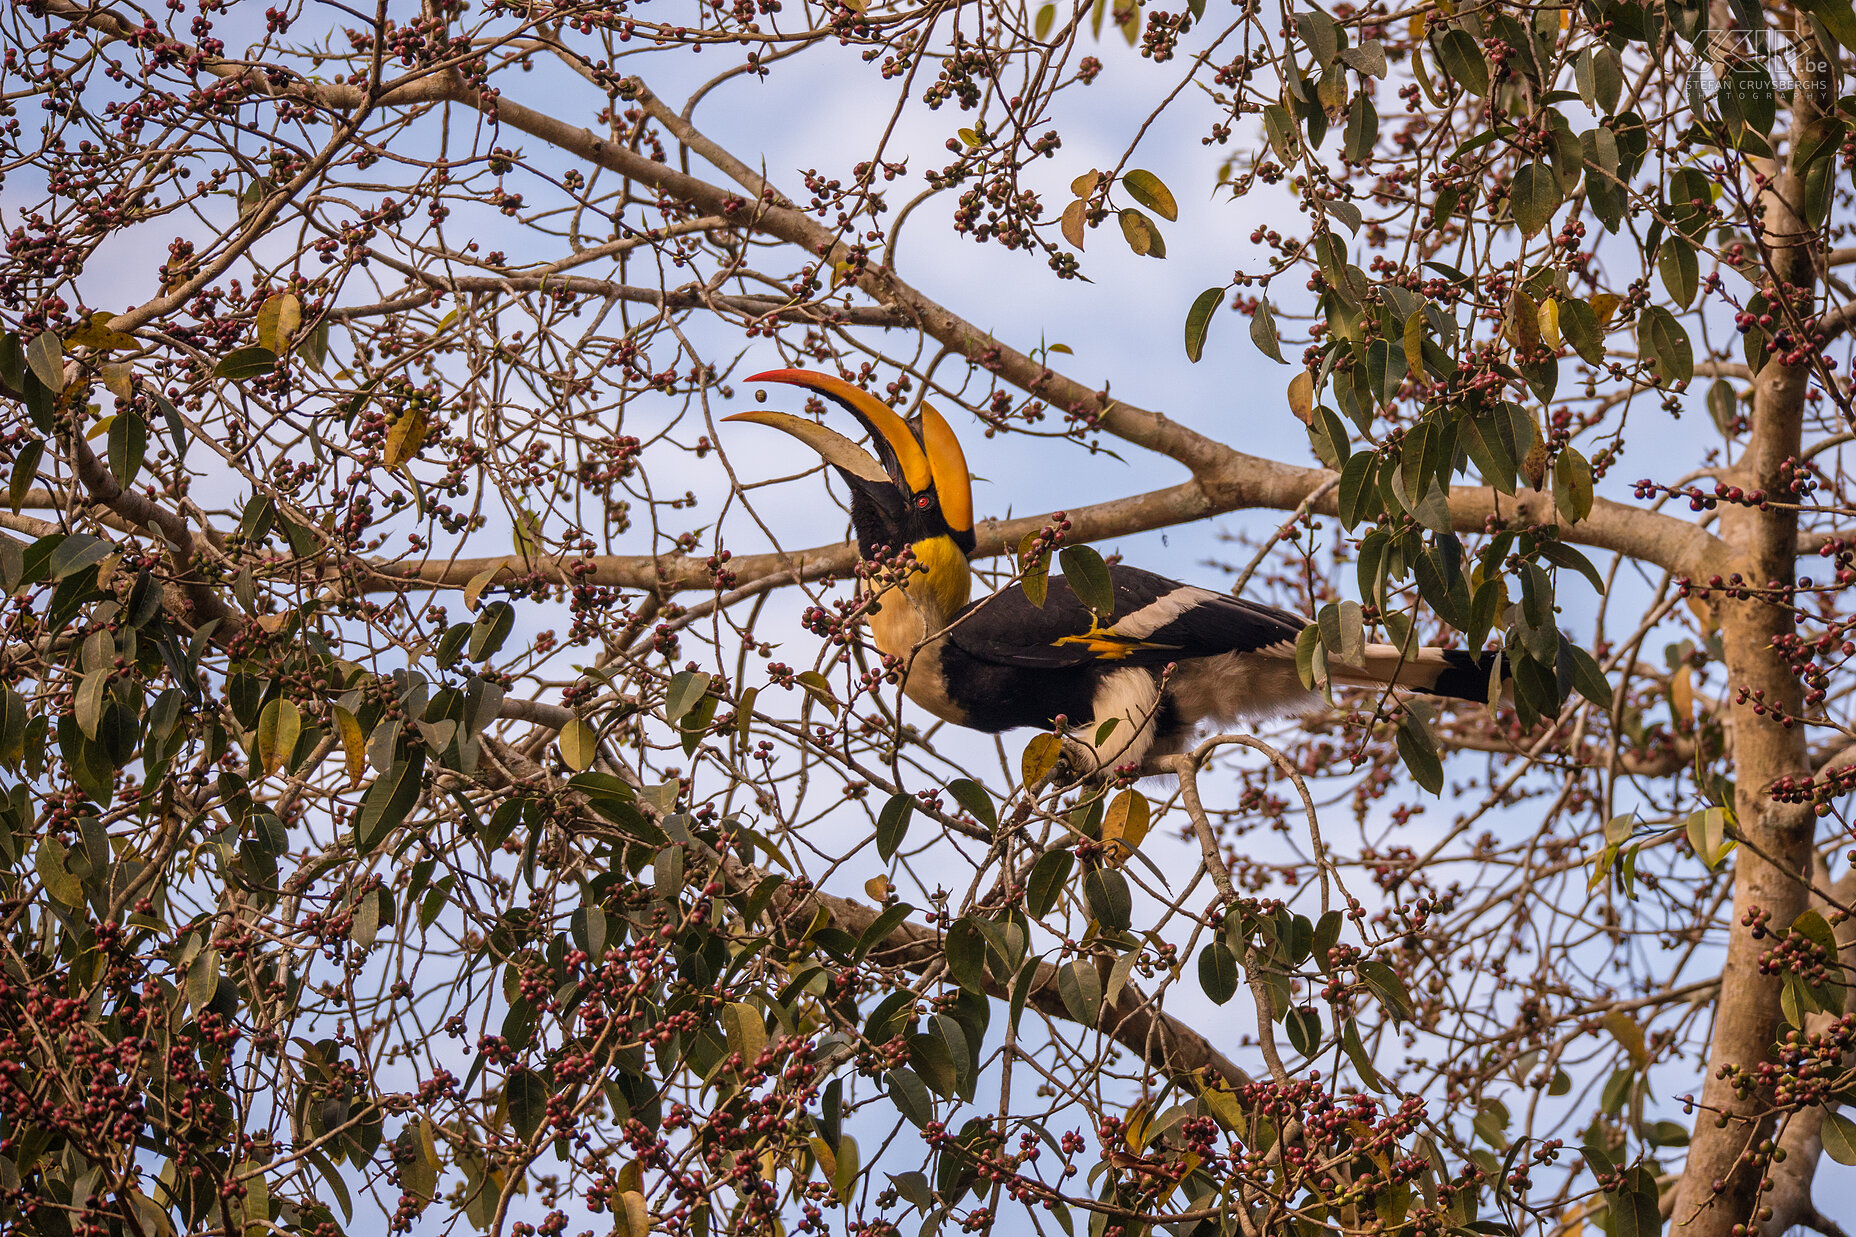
96,333
1072,223
1534,463
745,1030
631,1218
1141,234
354,744
1302,397
116,379
48,862
1625,1030
406,436
1140,1126
1604,304
878,888
579,744
1125,824
1522,326
1040,757
473,591
1085,184
1415,27
1150,191
827,1162
278,727
1550,323
278,320
1682,696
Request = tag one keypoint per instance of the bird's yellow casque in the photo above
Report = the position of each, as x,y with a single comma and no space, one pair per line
1168,658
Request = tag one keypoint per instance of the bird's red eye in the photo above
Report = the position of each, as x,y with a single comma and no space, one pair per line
923,501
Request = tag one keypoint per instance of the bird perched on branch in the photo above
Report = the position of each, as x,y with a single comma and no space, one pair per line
1130,681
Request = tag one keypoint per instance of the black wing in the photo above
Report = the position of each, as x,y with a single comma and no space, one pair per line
1155,621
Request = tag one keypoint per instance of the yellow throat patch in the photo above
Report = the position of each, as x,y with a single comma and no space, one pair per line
929,597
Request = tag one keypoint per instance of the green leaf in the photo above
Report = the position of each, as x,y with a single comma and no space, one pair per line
1600,77
1572,485
1839,1137
966,954
1325,936
1081,990
88,701
128,444
1088,577
1362,131
1388,987
1841,23
1321,34
1707,832
910,1096
1151,192
247,362
1368,58
525,1099
1680,269
1357,493
1462,60
492,627
1662,341
1198,322
1812,925
1034,572
1279,126
892,824
1047,17
1105,892
686,688
1588,678
1356,1053
1633,1207
1218,972
579,744
1304,1028
1263,332
388,801
1310,657
1044,886
1419,752
1723,406
72,554
1580,328
1534,196
973,797
25,472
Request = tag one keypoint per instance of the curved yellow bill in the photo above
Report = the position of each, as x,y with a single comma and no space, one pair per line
834,447
948,464
890,431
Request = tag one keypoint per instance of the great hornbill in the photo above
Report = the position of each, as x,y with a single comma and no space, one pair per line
1168,658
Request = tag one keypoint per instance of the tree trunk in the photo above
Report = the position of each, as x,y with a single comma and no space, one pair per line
1721,1184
